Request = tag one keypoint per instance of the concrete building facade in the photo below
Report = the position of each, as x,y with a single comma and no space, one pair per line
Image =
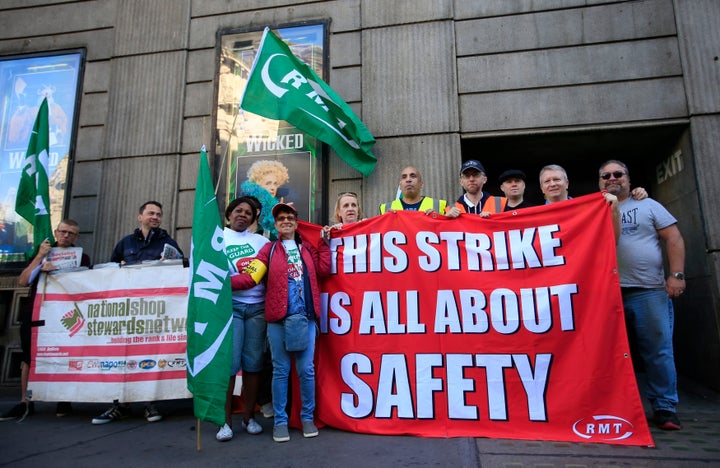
514,83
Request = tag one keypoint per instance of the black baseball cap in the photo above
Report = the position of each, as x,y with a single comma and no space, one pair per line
511,174
471,164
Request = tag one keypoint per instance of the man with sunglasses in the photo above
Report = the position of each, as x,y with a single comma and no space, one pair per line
66,234
646,292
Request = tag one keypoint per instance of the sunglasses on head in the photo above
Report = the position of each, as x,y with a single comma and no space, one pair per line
342,194
607,175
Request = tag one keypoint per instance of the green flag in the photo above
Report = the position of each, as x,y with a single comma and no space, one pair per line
33,195
209,338
282,87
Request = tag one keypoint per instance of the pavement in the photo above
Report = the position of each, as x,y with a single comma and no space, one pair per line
45,440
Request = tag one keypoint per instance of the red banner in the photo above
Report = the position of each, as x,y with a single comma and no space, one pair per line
508,327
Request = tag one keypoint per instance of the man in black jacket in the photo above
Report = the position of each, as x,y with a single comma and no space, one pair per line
148,242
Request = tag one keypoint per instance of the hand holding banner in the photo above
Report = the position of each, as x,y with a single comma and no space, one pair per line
510,326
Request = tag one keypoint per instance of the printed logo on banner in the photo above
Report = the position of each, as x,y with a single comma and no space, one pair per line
147,364
131,364
110,365
603,428
92,364
75,365
176,363
162,363
73,320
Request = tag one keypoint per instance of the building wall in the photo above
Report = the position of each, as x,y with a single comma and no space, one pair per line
424,75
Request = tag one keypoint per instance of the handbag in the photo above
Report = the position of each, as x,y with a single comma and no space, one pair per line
296,333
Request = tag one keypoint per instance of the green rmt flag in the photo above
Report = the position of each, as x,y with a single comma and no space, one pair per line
282,87
33,195
209,340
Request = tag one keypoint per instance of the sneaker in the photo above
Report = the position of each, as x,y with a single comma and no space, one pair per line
225,433
667,420
267,410
309,429
114,413
63,409
19,411
281,434
152,414
252,427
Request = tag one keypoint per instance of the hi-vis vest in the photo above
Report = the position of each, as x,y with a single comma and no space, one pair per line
492,205
427,203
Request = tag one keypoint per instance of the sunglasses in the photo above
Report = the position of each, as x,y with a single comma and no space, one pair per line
607,175
285,218
342,194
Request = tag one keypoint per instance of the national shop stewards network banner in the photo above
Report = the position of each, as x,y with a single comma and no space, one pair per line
508,327
110,334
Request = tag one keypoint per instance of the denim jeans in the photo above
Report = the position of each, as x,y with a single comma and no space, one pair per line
281,372
650,313
248,337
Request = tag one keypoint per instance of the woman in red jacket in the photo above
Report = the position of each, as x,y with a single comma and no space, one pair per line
290,267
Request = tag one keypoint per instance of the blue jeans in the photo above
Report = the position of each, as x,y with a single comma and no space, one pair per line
281,372
650,313
249,342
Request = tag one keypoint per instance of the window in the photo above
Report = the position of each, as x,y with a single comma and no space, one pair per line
269,159
24,82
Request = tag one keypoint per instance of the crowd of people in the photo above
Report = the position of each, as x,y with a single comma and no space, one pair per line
276,297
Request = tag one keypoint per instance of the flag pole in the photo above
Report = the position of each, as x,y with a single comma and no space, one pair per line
232,127
197,429
227,147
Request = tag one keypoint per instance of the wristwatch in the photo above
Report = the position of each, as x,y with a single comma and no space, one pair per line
679,275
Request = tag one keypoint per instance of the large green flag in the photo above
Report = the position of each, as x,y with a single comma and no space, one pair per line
33,195
209,340
282,87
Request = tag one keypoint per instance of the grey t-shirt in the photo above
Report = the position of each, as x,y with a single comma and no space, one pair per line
638,250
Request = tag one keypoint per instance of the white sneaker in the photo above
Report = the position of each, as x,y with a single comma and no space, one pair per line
252,427
267,410
224,434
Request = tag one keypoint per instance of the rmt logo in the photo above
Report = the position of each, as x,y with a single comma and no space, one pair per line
603,427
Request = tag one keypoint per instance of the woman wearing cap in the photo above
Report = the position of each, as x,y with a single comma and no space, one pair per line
290,268
249,327
347,211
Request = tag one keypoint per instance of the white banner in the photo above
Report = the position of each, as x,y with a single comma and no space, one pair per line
110,334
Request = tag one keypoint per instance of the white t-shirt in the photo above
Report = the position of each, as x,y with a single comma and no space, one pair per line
241,248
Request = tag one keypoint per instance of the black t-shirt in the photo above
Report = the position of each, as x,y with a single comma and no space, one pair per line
524,204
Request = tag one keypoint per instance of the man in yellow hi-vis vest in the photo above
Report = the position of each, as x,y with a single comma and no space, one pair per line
411,185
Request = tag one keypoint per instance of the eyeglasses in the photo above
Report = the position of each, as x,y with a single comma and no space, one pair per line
342,194
607,175
63,232
285,218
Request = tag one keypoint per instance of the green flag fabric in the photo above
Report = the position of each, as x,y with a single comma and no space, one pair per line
282,87
209,337
33,195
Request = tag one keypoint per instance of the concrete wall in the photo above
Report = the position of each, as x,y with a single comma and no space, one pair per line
424,75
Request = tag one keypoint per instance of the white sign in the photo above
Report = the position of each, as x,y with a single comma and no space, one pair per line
110,334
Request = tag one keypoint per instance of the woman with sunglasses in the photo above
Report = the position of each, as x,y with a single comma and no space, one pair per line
290,267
